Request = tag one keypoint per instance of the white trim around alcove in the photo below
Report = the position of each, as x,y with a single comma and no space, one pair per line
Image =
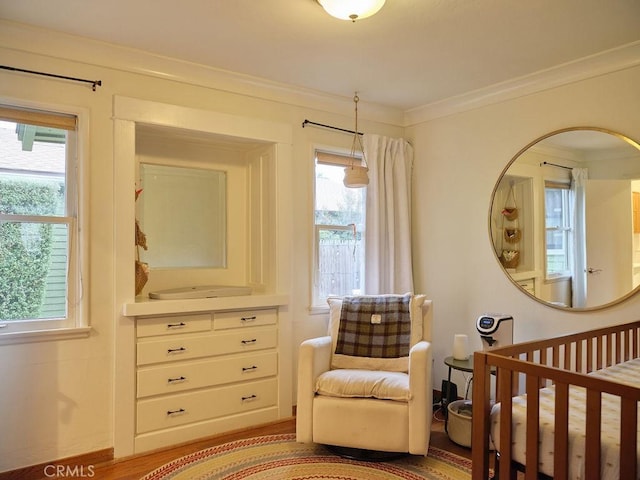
127,112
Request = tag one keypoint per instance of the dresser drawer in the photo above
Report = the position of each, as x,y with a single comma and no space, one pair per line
180,409
148,327
190,375
185,347
528,284
244,318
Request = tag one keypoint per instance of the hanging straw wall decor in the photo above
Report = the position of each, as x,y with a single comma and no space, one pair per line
510,256
510,210
512,235
142,268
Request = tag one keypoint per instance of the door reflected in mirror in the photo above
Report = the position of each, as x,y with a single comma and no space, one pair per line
565,218
182,212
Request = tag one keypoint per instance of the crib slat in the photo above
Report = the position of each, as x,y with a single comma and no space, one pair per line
505,388
543,361
592,429
609,358
579,356
628,437
589,355
481,417
561,437
599,352
533,428
567,356
556,355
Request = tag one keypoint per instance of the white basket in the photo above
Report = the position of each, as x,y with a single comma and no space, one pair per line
459,422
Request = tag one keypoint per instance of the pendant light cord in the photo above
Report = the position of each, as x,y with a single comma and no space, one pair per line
357,138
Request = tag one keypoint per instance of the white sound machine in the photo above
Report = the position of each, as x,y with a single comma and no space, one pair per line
496,329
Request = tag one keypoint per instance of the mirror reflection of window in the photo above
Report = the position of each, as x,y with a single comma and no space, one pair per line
558,225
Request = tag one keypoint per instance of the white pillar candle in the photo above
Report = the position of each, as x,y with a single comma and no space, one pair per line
460,347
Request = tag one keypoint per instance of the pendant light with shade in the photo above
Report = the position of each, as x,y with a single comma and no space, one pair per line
355,175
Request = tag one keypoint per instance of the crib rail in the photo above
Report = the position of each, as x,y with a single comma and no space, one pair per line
562,361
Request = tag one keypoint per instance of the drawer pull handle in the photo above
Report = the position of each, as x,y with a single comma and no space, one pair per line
176,350
246,342
248,319
176,325
250,397
176,412
178,379
252,367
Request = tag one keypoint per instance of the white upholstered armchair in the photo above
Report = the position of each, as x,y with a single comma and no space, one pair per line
354,393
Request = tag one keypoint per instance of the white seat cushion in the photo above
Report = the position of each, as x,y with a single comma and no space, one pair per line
364,383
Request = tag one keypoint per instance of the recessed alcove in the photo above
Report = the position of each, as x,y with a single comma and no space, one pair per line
254,156
201,208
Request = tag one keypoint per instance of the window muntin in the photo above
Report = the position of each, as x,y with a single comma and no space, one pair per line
38,221
339,218
558,230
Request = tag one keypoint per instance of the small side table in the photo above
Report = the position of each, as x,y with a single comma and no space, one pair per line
453,364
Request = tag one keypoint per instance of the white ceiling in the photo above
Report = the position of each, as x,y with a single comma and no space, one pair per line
411,54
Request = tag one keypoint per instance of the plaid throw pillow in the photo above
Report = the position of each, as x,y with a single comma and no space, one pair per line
375,326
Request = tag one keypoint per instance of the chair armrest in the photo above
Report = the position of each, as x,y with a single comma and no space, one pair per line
314,358
421,400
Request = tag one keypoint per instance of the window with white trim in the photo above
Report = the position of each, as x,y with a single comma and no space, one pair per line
339,230
39,277
558,229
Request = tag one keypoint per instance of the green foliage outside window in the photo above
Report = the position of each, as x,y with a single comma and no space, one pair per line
25,248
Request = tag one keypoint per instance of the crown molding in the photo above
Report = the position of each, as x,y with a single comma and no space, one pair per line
49,43
609,61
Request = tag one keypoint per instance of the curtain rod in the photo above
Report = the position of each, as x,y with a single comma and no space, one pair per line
556,165
93,83
309,122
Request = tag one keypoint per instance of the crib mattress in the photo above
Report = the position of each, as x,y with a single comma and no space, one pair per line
626,373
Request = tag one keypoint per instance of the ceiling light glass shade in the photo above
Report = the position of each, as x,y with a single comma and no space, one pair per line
351,9
355,176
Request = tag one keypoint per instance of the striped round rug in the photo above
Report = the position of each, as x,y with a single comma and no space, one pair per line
280,457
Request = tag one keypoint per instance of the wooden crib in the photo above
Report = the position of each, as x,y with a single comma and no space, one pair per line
559,365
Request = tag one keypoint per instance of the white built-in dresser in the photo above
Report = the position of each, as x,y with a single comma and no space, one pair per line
205,366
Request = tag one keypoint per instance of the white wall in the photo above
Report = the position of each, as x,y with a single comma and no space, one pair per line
57,396
459,159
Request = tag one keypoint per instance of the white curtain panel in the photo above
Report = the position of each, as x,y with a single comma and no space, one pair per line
388,215
579,268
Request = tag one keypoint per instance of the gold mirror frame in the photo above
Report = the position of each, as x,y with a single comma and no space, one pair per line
536,221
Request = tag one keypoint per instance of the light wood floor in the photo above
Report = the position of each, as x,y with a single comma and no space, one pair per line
135,467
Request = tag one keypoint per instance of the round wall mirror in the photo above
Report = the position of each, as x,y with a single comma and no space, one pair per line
565,218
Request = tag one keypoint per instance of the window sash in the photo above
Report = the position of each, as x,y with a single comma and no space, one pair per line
564,228
72,318
350,276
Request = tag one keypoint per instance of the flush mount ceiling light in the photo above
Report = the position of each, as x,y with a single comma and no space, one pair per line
355,175
351,9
